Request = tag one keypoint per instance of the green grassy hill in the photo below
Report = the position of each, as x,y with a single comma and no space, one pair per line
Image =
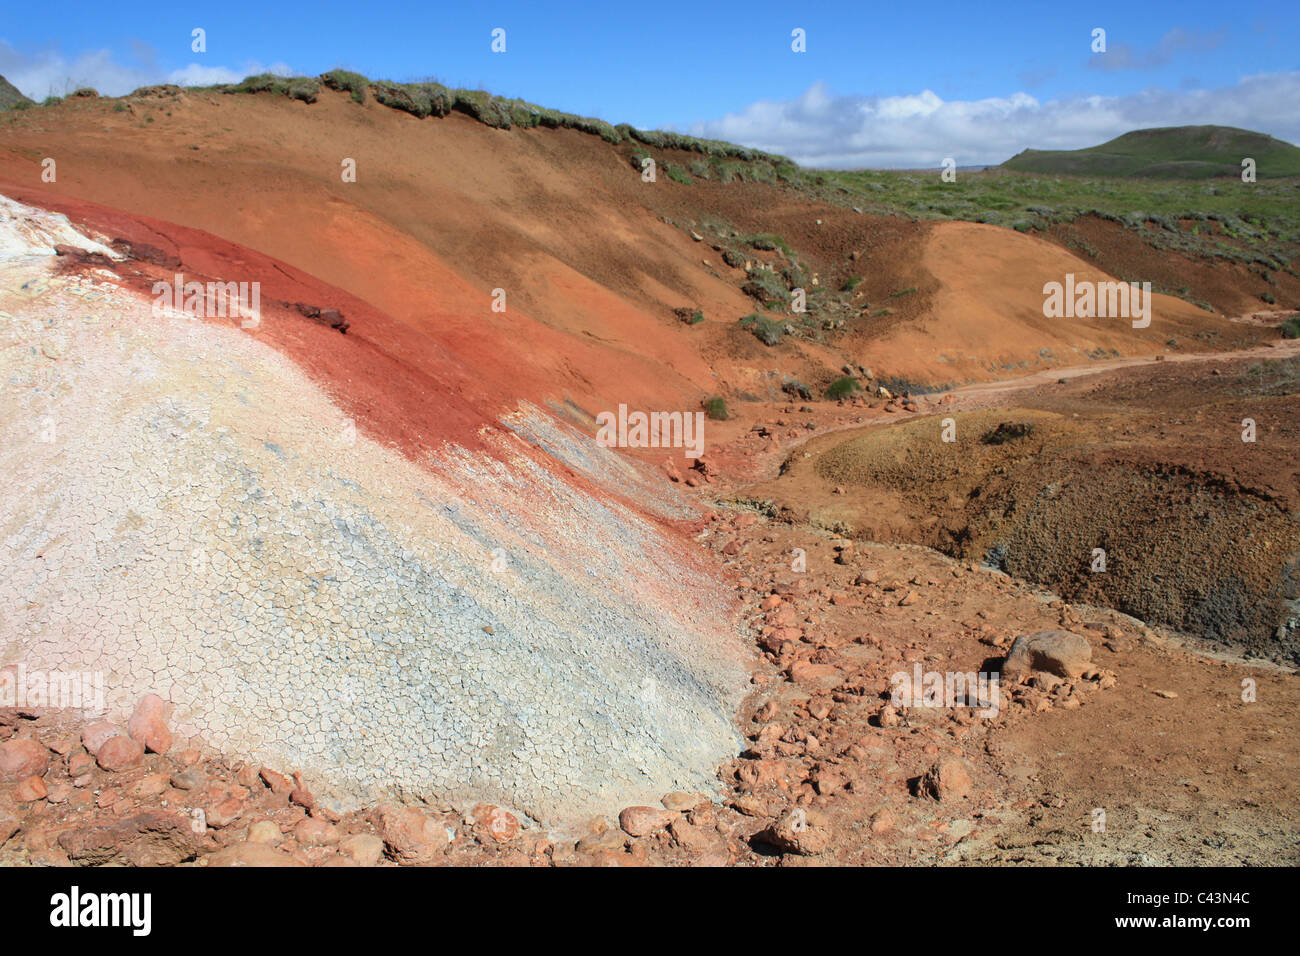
9,95
1172,152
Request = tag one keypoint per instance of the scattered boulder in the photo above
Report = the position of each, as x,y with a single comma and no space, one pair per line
798,832
21,758
500,823
364,849
149,838
410,836
251,854
97,734
314,831
949,779
641,821
1062,653
119,753
265,831
30,790
148,724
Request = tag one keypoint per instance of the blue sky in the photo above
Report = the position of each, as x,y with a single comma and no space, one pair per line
880,84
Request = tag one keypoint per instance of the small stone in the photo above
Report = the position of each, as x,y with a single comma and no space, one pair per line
225,812
119,753
280,785
30,790
640,821
364,849
21,758
148,724
1062,653
796,833
190,779
410,836
150,786
251,854
949,779
97,734
500,823
680,802
692,838
316,832
265,831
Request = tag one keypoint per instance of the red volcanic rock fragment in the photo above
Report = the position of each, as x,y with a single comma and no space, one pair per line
119,753
148,724
23,758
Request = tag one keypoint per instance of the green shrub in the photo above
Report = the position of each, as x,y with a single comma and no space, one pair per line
1268,297
852,283
766,287
768,331
354,83
1291,328
259,83
303,88
678,175
842,388
716,409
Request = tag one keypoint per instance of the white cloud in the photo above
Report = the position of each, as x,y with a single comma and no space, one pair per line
920,130
49,73
197,75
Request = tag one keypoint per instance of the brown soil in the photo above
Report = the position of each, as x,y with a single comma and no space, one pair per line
1199,528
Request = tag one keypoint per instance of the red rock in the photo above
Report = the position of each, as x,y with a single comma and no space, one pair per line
882,821
770,602
151,786
148,724
797,833
251,854
640,821
21,758
148,838
500,823
97,734
806,672
224,813
119,753
30,790
315,832
280,785
949,779
300,795
410,836
364,849
693,838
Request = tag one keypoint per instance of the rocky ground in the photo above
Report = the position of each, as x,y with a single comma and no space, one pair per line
1120,745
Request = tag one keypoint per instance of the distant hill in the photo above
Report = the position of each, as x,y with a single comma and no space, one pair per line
9,95
1170,152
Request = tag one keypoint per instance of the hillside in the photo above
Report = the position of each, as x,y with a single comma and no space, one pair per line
10,95
1172,152
593,261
